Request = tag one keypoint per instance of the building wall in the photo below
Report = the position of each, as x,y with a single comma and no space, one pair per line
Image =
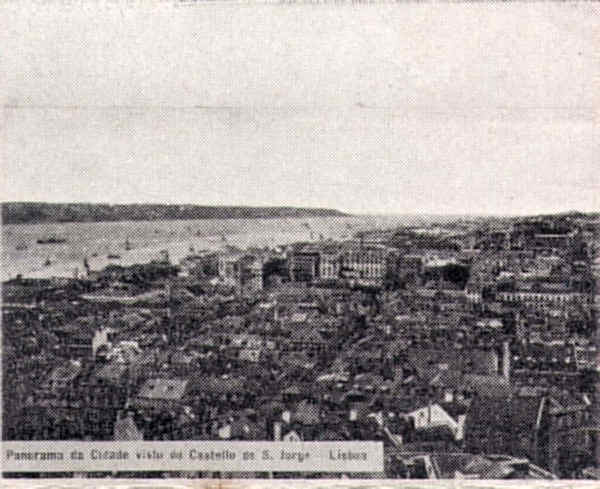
365,263
330,266
304,267
542,300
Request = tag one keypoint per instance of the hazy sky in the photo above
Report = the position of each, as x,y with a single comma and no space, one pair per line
435,108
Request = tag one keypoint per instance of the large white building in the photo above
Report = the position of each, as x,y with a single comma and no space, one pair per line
366,265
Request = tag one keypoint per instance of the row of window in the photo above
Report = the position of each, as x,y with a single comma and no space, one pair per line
555,299
571,420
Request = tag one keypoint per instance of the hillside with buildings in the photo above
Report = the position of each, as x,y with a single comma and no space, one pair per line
40,212
469,350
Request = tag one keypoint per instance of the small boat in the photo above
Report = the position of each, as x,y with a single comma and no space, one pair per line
21,247
51,240
128,245
48,262
94,254
113,256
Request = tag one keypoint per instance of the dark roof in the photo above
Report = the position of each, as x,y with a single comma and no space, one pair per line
426,361
306,413
434,433
297,359
132,319
491,386
518,414
182,358
112,372
81,327
218,385
307,335
454,409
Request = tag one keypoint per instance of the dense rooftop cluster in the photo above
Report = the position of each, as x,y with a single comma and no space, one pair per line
469,350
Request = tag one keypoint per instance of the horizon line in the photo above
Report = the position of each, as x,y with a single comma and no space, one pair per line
311,207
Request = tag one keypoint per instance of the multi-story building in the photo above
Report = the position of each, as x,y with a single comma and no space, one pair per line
330,263
365,265
544,300
554,241
241,271
303,263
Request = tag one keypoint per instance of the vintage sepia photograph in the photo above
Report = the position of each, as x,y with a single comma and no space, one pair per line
300,240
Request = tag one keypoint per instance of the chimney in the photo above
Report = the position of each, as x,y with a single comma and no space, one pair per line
506,360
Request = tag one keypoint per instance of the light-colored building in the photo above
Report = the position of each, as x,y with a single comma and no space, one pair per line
241,271
366,265
330,265
544,300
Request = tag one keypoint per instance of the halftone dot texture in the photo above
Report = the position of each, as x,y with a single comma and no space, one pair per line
363,294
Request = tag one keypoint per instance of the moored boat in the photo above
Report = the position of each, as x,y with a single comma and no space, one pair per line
51,240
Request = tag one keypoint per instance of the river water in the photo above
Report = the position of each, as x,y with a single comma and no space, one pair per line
21,254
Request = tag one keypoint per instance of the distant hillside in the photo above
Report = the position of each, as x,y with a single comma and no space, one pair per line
31,212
